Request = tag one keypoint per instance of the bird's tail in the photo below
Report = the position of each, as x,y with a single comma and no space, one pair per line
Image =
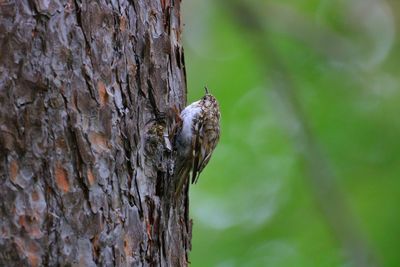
182,175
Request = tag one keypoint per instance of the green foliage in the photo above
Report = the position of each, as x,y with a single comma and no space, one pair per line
254,204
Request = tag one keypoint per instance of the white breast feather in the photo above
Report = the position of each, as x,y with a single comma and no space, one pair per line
187,115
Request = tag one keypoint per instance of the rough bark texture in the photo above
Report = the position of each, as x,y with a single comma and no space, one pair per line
86,93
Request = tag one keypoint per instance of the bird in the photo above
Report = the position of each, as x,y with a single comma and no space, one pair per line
197,138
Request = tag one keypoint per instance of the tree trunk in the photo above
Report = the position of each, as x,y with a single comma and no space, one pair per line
87,90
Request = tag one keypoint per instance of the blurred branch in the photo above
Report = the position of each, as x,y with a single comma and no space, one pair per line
321,177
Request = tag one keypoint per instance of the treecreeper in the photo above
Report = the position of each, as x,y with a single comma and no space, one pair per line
197,139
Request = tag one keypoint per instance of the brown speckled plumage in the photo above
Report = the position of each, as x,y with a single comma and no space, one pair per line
198,138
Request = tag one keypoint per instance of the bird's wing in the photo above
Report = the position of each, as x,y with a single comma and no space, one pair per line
197,150
209,142
203,163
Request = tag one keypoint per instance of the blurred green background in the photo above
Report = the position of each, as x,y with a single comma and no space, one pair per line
307,170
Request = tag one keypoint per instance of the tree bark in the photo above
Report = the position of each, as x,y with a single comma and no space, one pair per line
87,89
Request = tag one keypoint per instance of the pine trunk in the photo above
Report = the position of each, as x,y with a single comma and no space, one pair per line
87,89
